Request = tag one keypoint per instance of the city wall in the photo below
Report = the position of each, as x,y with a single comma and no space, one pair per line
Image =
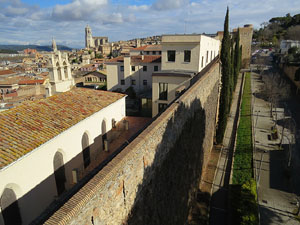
155,178
290,71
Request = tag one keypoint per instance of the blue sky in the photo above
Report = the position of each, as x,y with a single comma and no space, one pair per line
37,21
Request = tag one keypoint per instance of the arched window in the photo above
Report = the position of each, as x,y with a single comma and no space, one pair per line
10,207
86,150
59,172
66,70
104,135
58,71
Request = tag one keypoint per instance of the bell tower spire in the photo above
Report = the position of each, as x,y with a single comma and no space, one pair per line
54,47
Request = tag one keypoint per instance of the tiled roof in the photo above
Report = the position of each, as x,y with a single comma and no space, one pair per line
138,59
140,48
28,82
31,124
147,59
6,72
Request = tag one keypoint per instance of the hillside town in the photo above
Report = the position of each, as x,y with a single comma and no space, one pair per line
176,128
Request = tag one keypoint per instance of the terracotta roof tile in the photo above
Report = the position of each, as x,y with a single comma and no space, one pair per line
138,59
31,124
6,72
28,82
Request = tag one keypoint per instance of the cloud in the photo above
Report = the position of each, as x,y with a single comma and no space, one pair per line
16,8
169,4
124,20
78,10
139,7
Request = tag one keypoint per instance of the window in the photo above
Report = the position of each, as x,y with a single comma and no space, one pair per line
155,68
162,107
122,68
145,82
144,68
141,53
206,56
133,82
202,61
171,56
153,52
159,52
133,68
122,82
148,53
163,91
187,55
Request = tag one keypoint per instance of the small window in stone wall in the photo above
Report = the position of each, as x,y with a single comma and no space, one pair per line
122,82
121,68
133,82
133,68
145,82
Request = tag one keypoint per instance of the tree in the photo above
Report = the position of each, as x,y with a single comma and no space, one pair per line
237,57
224,105
293,33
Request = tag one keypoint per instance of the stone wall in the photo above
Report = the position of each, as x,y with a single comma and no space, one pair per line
154,179
290,72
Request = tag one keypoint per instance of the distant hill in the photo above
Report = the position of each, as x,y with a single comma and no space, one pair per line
37,47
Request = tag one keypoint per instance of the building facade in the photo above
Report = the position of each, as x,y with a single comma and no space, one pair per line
285,45
132,71
60,76
183,56
63,135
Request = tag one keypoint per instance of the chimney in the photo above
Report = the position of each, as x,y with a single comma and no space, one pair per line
127,67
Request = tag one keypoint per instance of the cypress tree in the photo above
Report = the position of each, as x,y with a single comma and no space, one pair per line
237,57
225,89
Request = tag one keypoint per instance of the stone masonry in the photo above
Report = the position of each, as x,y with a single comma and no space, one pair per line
114,194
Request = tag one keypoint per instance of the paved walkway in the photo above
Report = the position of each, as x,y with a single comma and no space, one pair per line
276,202
218,208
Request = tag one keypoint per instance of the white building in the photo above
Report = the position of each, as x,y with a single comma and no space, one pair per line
285,45
183,56
132,71
61,79
45,146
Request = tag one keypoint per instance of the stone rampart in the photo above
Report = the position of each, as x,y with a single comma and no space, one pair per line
154,179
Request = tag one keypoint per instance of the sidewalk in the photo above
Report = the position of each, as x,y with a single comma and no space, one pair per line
270,163
218,208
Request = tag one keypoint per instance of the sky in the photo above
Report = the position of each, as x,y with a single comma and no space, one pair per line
37,21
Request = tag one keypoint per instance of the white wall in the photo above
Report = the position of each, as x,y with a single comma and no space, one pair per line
197,44
33,173
115,75
173,83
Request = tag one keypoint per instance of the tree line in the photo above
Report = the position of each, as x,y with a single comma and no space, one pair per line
231,57
277,29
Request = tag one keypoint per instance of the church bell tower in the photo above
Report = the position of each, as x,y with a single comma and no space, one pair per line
89,42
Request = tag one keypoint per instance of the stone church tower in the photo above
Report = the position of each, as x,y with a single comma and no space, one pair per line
61,79
89,42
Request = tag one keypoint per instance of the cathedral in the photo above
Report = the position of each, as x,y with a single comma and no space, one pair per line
93,42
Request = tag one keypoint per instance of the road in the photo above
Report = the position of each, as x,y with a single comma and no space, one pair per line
276,183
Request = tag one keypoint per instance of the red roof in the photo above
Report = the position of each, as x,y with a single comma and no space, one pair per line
140,48
29,82
13,94
6,72
138,59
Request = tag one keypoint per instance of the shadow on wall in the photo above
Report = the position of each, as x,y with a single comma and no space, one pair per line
52,192
171,183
